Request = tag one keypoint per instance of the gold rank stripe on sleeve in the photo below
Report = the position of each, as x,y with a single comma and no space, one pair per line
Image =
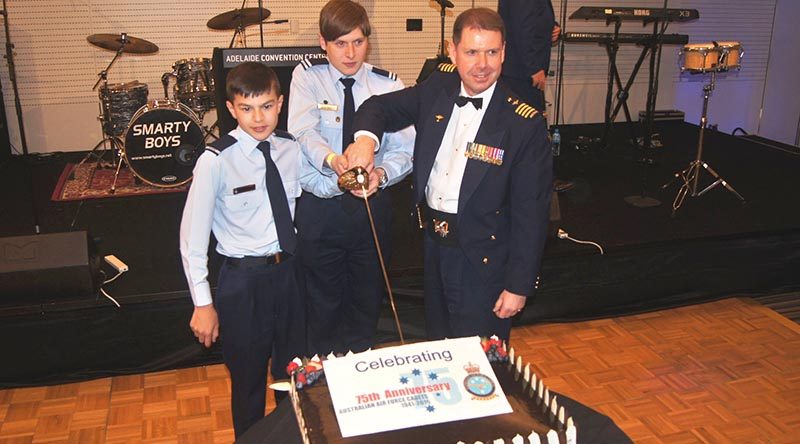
447,67
484,153
525,110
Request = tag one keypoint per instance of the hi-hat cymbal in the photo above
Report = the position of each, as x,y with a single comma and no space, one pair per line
128,44
233,19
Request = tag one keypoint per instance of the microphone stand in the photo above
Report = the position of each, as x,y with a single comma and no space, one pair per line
442,58
12,76
239,29
560,73
642,200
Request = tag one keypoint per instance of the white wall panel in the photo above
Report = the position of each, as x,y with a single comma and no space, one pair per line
781,117
56,67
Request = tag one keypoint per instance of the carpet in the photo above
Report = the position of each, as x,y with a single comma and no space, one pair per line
89,182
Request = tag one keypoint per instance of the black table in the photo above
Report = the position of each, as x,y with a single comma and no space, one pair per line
280,426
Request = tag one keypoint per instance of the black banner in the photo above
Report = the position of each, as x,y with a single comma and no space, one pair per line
282,60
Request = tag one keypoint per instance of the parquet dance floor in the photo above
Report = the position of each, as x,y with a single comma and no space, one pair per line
726,371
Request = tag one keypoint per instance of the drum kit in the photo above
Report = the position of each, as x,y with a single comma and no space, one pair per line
705,58
159,139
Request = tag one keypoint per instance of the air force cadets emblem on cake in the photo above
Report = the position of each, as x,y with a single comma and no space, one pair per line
478,384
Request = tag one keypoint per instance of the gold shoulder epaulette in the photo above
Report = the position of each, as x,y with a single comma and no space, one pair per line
447,67
523,109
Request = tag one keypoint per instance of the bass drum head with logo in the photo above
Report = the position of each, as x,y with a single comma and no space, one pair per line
163,142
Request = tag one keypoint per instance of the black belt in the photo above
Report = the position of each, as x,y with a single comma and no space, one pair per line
253,261
442,227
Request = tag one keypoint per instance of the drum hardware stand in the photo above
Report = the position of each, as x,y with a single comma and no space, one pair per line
240,27
109,142
358,179
261,20
690,176
209,131
109,139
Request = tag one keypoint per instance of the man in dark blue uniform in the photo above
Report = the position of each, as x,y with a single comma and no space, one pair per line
483,170
530,31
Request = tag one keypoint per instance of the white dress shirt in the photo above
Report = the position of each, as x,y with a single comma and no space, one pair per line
241,221
444,183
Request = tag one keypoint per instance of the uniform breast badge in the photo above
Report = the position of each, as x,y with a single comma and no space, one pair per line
438,118
479,385
327,107
441,227
484,153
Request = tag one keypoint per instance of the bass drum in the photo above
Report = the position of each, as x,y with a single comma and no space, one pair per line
163,142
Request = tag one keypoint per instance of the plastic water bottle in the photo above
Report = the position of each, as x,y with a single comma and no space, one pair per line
556,143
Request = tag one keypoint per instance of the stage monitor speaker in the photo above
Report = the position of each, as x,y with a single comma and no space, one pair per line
47,268
282,60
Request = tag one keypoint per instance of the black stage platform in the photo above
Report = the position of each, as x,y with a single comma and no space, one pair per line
714,246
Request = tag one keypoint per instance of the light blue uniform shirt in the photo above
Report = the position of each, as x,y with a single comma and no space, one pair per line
241,222
316,109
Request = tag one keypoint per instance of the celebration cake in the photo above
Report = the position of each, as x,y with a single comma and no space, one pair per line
536,415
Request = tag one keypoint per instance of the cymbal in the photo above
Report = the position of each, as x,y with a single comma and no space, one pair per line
232,19
114,42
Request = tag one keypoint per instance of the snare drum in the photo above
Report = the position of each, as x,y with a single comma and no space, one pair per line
120,102
700,57
194,86
731,57
163,142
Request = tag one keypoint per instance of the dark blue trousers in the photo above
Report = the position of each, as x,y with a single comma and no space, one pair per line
458,302
344,283
261,316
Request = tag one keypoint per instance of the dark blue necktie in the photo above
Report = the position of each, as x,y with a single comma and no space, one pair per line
279,203
349,111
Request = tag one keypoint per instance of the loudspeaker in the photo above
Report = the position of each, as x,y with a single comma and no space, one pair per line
47,268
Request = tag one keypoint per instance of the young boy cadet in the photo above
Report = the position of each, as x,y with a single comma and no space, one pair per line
343,276
244,190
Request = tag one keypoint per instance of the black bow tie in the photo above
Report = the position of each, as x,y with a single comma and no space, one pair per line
477,102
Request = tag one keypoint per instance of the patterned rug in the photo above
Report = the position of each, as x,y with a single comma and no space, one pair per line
89,182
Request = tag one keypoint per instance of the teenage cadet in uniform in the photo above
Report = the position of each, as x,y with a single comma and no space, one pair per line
345,287
244,190
483,169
